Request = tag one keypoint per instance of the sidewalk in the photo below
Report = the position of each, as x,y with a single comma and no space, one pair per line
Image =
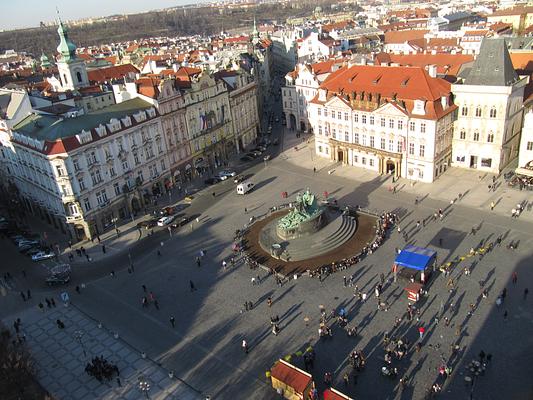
62,354
472,185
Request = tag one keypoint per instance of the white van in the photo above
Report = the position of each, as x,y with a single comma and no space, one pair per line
244,187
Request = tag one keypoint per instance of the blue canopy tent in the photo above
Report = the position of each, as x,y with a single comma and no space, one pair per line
414,257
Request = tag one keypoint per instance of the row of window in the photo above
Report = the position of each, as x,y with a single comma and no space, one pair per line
475,136
371,120
383,144
478,112
96,177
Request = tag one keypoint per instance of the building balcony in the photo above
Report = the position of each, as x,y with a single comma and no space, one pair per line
74,218
69,198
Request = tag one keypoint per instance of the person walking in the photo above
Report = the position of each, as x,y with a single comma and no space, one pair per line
492,205
172,321
23,295
224,265
198,262
191,284
515,277
269,302
144,288
421,331
526,291
244,346
28,294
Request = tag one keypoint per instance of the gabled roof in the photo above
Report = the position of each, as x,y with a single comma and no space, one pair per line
493,65
447,64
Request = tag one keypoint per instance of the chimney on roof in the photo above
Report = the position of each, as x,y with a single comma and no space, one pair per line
363,60
432,70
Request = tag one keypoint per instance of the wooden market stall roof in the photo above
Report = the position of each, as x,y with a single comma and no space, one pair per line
332,394
294,377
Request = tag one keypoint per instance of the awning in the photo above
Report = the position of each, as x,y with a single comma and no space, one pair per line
524,171
414,257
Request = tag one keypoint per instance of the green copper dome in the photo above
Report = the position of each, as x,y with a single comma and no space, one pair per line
45,61
66,47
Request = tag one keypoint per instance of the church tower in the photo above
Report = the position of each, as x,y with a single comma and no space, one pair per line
72,70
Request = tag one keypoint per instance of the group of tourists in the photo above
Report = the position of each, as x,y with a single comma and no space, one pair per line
101,369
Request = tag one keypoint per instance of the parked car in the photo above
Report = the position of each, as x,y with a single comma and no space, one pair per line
27,242
165,220
212,181
148,224
238,179
225,174
180,222
42,255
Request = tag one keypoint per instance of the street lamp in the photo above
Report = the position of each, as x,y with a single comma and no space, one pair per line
144,386
475,368
78,335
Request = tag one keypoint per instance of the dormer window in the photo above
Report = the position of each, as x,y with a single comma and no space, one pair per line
419,107
322,94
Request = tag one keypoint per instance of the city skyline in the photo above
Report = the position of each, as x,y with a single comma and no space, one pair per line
30,13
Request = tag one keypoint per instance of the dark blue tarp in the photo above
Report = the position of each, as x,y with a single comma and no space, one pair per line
414,257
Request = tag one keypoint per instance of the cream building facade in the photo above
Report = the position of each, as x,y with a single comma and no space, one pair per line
489,119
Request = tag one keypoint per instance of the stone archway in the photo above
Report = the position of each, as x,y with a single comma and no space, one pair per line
135,204
292,122
390,167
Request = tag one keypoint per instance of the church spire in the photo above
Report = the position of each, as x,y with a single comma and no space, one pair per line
66,48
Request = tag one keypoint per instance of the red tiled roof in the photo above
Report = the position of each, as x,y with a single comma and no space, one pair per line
337,25
238,39
403,83
101,75
291,376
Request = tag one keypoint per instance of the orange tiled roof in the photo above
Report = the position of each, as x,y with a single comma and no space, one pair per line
512,11
101,75
404,36
447,64
522,60
402,83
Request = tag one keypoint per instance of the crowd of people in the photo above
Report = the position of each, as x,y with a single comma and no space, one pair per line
101,369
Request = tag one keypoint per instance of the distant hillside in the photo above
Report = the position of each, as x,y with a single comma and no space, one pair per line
182,21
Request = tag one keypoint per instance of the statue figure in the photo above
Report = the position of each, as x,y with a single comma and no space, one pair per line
306,207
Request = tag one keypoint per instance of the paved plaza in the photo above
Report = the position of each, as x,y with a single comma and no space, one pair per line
204,347
62,354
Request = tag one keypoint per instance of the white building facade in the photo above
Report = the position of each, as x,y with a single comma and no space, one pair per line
391,120
525,154
84,174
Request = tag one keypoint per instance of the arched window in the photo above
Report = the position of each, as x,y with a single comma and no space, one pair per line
462,134
478,111
493,112
464,111
490,136
78,75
